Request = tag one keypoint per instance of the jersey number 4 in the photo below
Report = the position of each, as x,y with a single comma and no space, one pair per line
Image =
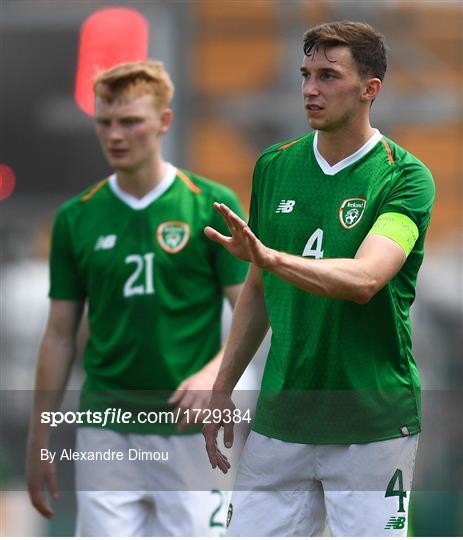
313,247
143,266
391,491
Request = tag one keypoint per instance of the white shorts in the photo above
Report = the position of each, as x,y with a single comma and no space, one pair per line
290,489
147,498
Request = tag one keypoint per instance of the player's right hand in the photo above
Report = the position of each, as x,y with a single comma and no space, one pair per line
219,401
41,476
242,243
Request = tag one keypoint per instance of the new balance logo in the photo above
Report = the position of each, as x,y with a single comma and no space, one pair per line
106,242
285,206
395,523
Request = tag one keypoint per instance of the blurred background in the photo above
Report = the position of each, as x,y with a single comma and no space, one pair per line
235,65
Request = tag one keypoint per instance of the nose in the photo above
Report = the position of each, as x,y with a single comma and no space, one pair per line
114,133
310,87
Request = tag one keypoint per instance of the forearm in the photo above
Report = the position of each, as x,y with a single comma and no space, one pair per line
341,279
53,368
249,326
376,261
212,367
231,293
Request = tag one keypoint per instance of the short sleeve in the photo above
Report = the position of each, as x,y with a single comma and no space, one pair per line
253,208
259,171
65,280
253,217
229,269
412,194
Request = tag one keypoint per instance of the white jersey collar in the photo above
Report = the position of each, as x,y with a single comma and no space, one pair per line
340,165
146,200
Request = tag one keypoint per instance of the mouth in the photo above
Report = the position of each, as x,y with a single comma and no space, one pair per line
313,109
117,152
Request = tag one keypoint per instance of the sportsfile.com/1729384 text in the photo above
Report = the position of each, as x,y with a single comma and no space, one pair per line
113,415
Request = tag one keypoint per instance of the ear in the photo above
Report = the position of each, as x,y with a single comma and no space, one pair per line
166,121
371,90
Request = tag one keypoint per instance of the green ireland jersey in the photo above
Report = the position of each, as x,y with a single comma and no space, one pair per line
154,285
339,372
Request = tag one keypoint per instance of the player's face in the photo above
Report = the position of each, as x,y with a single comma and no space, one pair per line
129,129
332,88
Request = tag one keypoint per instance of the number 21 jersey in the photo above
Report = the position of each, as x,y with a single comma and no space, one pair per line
153,281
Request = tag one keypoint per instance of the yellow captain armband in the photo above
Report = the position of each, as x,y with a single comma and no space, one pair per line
397,227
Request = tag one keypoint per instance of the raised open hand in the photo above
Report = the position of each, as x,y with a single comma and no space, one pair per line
243,243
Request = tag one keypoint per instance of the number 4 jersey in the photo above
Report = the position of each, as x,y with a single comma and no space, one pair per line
154,285
339,372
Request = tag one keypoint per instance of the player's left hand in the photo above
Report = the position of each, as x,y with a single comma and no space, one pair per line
243,243
193,393
222,402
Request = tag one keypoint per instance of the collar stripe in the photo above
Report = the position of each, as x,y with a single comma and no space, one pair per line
146,200
331,170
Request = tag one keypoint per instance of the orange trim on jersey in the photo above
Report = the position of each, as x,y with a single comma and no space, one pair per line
287,145
92,192
388,150
188,182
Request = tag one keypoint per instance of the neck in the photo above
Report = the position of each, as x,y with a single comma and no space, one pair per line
143,180
336,145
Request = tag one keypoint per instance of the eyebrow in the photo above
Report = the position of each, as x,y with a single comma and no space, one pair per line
303,69
125,117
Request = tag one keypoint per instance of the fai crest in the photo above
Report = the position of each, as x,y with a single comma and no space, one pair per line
173,236
351,212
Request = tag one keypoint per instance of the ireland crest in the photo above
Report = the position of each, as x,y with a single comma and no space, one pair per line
173,236
351,212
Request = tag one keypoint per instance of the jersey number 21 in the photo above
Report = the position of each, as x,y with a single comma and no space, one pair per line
143,266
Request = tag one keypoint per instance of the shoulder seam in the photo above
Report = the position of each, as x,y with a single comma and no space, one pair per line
388,150
92,192
187,181
287,145
280,146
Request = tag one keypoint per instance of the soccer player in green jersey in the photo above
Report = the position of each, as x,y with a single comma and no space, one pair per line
132,247
336,233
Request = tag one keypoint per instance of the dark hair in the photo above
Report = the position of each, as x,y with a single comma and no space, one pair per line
367,45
